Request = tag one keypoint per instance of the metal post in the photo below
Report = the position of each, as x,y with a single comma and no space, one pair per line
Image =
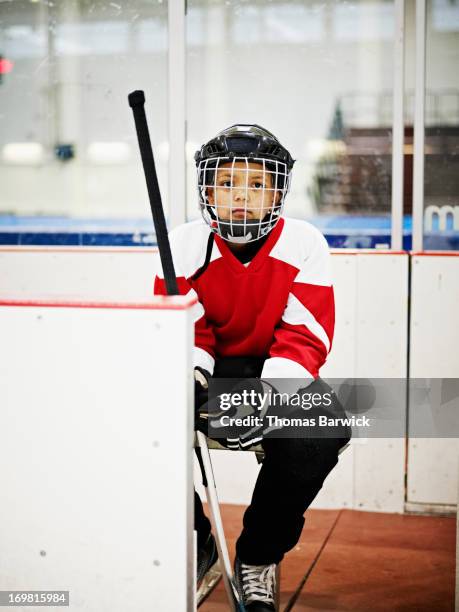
419,127
398,127
176,123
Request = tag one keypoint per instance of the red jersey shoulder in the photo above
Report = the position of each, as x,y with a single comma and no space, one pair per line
303,246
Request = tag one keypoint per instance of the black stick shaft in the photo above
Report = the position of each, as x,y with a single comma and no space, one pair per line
137,103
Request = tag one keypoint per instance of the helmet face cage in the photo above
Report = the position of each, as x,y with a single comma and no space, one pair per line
264,199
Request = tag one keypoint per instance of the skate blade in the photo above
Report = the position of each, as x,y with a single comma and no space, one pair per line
208,583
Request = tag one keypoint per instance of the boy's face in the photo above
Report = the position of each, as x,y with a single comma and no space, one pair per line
242,191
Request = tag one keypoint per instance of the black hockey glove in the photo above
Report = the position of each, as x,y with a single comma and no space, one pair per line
236,419
201,396
243,417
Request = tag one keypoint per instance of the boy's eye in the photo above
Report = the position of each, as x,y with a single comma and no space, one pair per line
226,183
258,185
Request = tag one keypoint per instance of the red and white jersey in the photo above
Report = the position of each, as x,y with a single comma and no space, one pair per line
279,305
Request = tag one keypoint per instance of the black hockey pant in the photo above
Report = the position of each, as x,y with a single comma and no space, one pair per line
292,473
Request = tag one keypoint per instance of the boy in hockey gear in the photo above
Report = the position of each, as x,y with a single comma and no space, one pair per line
265,311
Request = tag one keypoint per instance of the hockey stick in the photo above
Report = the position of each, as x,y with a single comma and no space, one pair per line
137,103
217,524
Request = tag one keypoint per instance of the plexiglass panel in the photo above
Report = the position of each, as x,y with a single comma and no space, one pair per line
441,178
319,76
67,137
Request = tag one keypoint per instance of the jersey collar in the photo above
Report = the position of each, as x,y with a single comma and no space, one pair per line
259,258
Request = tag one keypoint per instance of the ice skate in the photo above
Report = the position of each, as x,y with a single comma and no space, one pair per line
208,571
256,585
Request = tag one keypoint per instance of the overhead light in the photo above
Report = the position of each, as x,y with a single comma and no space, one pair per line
108,152
25,153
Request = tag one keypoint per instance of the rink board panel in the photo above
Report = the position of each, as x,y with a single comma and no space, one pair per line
433,463
370,342
95,497
121,274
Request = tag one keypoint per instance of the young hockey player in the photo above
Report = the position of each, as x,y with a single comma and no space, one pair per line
266,311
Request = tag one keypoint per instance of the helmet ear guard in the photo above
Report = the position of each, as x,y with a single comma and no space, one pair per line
250,144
